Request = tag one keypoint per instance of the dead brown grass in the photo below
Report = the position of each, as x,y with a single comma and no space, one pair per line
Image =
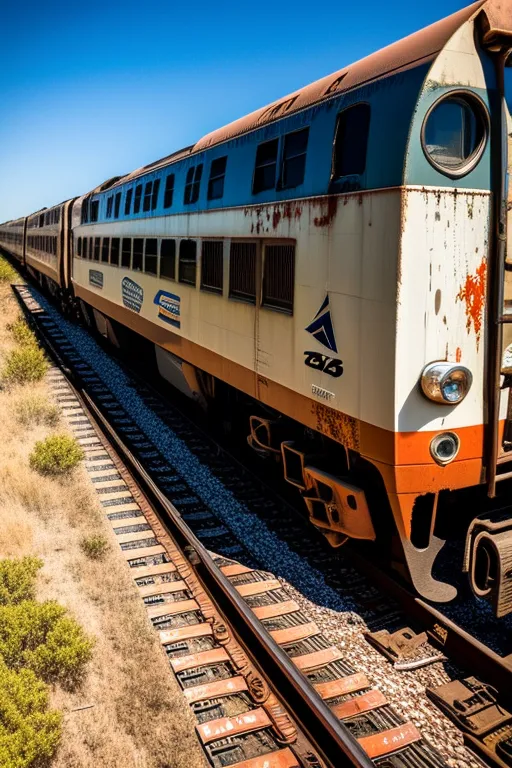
129,711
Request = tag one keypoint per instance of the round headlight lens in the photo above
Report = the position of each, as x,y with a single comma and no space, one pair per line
445,447
446,383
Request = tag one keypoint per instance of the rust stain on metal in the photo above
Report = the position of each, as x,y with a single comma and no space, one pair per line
458,355
285,211
342,428
473,294
327,218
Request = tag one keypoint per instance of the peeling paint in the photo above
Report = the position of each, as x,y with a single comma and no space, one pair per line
473,294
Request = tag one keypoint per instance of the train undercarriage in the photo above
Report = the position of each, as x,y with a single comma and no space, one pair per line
462,537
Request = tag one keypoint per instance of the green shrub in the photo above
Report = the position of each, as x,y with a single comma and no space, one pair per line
94,546
29,733
55,455
7,273
43,638
24,365
21,332
18,579
35,409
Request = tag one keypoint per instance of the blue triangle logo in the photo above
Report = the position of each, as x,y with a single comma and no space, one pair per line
322,328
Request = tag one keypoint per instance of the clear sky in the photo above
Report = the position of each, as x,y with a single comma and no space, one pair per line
90,90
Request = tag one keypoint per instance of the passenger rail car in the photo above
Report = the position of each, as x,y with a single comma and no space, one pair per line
12,238
333,269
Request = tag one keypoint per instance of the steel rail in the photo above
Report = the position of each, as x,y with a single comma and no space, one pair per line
329,736
463,648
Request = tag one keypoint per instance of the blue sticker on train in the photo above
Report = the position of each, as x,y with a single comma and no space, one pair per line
133,294
96,278
169,308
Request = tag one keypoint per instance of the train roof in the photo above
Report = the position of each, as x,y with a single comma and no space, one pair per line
422,46
408,52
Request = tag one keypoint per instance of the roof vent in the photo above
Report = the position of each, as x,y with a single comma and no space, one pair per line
276,110
335,85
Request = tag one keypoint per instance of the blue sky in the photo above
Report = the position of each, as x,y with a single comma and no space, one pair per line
94,89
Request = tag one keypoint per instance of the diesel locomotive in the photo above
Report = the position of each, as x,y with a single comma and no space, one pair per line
334,269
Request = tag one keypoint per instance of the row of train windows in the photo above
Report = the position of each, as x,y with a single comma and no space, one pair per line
13,238
47,243
280,164
48,217
158,257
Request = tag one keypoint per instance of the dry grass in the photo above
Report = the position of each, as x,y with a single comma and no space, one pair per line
138,717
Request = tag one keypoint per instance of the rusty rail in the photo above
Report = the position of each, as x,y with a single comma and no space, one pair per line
330,737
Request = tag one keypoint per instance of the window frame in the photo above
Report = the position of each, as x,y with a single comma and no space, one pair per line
217,177
180,278
246,298
128,201
137,199
192,189
169,191
162,256
281,184
481,112
155,255
256,167
267,303
336,179
219,290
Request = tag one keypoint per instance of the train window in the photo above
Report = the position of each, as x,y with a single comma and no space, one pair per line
79,246
110,203
216,180
117,205
242,271
454,133
278,277
114,251
154,196
95,208
212,265
126,252
138,246
57,215
104,249
265,166
187,262
351,141
97,248
41,220
169,190
168,259
148,193
128,202
193,184
138,195
151,256
294,158
55,245
84,248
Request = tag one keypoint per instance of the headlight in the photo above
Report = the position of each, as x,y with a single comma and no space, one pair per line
445,447
446,383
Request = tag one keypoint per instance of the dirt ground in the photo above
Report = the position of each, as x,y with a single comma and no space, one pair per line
129,711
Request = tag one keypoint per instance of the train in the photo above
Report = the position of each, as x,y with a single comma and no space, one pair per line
332,272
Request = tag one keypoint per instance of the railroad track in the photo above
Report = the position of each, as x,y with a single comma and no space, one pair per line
357,721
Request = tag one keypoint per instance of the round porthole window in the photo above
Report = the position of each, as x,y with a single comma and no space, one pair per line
454,133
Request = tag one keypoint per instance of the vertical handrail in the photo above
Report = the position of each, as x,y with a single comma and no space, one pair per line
497,268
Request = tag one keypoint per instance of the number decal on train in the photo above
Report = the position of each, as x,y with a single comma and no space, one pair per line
324,363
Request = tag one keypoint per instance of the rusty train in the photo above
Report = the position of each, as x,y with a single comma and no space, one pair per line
334,270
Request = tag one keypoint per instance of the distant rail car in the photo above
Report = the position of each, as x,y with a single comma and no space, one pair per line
333,271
